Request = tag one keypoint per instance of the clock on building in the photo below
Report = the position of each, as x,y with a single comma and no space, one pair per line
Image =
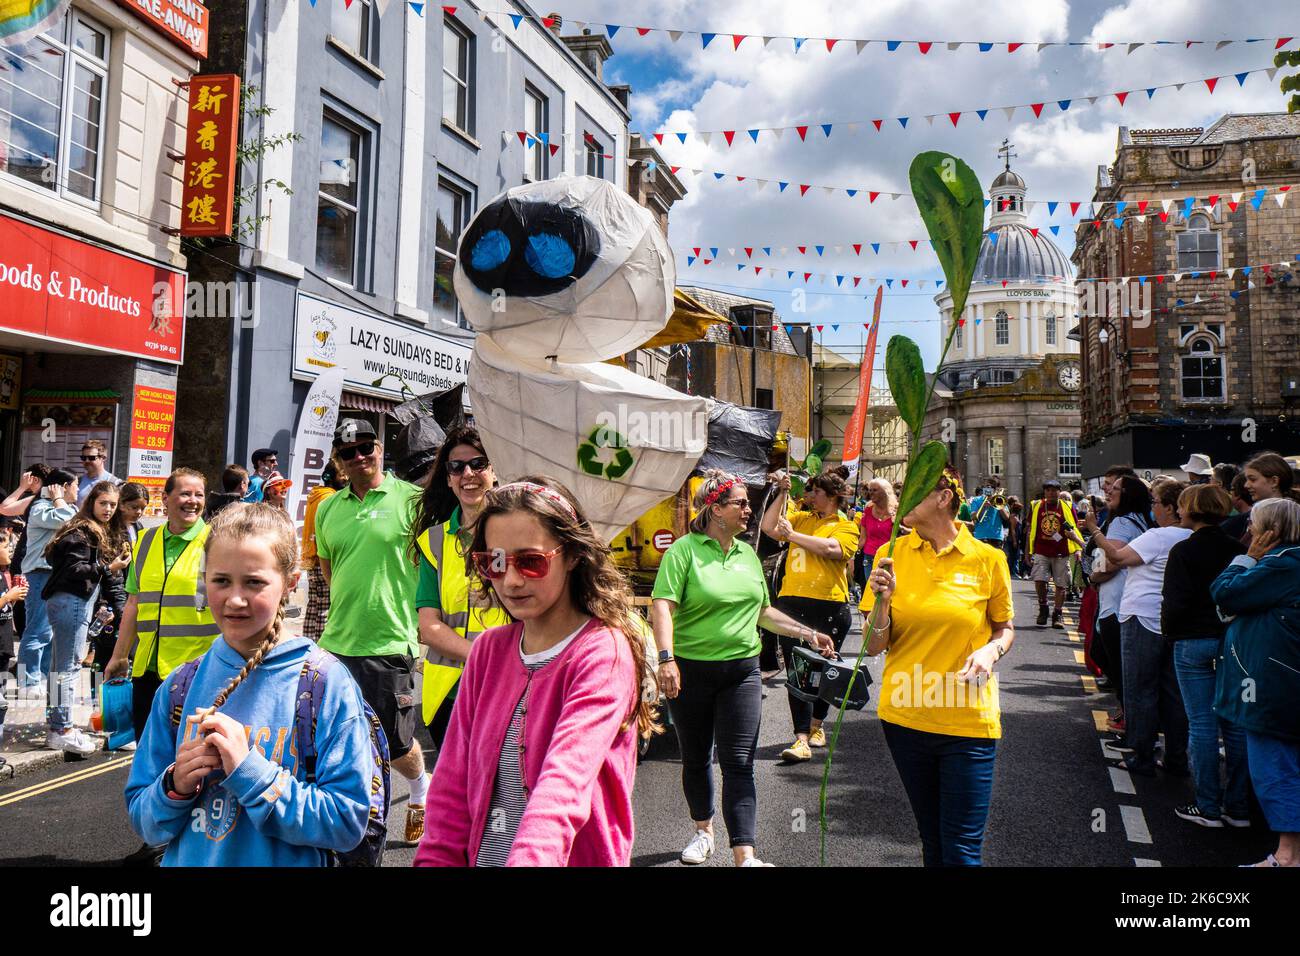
1070,376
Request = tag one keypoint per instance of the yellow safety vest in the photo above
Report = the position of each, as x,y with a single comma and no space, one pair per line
1066,511
442,673
173,622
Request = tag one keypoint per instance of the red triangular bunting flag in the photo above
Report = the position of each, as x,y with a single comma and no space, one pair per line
737,39
802,131
807,276
1004,283
954,117
1160,279
450,11
876,124
1013,47
642,31
1096,224
659,138
1214,274
830,45
803,190
523,136
671,169
1212,200
729,134
1037,108
904,283
749,252
912,243
872,196
820,327
1283,41
856,280
757,269
1074,208
1142,206
803,250
1164,216
548,22
857,249
555,148
707,261
696,250
1034,232
924,47
1121,97
1211,83
740,179
1232,205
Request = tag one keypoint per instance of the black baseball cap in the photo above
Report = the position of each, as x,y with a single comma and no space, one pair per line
263,453
353,430
1051,483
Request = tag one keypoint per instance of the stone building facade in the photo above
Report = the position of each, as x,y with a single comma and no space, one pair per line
1006,402
1204,358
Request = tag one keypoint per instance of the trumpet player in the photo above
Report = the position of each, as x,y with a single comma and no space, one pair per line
989,515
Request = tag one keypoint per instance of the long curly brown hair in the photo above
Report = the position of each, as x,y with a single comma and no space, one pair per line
596,585
438,500
109,538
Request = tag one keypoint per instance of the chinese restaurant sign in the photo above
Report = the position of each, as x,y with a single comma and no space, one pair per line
153,419
184,22
208,194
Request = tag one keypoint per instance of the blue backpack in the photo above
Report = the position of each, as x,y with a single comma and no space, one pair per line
311,683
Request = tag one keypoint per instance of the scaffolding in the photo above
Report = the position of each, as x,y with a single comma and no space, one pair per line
885,436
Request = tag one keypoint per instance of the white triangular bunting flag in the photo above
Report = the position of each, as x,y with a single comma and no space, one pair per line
383,6
578,24
778,131
1165,204
1009,110
861,44
1123,280
675,35
895,196
767,40
838,250
784,249
1178,277
954,46
920,283
1281,198
1092,101
762,184
1232,272
930,119
1221,44
1133,46
1236,197
830,190
1250,285
1271,71
1178,87
1141,218
853,127
1044,46
1197,299
1029,206
705,137
732,253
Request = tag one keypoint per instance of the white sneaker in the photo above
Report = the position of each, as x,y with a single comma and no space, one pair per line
72,742
699,849
129,745
755,861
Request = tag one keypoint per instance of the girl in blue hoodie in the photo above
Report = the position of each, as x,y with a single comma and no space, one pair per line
225,788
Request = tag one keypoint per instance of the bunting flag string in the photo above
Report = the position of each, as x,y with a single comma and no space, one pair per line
708,257
734,42
953,116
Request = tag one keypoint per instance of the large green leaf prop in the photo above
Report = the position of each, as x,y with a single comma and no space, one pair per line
951,201
922,475
906,376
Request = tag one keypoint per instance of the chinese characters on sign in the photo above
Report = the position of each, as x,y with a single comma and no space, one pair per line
208,196
153,417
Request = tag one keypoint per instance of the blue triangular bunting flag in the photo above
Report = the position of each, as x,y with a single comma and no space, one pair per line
1241,78
981,113
826,128
903,121
517,18
707,38
611,29
892,45
753,134
713,252
851,192
875,247
819,249
1063,104
1151,92
1051,208
985,47
681,137
783,186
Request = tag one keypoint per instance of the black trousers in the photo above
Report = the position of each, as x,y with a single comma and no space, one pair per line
829,617
1106,651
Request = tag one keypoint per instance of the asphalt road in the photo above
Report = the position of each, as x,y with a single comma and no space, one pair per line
1055,802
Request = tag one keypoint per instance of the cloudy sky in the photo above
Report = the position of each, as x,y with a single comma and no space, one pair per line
683,86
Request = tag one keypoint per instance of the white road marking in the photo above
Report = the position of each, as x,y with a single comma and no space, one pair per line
1135,824
1121,780
1139,861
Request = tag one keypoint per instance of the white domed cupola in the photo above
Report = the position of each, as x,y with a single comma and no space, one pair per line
1007,194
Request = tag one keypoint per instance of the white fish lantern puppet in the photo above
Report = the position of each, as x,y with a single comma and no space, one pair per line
556,277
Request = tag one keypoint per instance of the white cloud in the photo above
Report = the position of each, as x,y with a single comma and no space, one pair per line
1058,154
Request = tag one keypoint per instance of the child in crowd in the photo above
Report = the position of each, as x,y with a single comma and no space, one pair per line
539,759
225,788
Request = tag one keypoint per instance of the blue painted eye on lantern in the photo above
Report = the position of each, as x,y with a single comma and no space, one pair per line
549,255
491,250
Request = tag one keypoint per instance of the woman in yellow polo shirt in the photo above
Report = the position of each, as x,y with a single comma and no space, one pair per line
814,590
945,618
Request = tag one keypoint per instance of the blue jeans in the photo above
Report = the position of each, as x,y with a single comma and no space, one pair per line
1194,659
1275,772
949,782
33,649
1152,702
70,619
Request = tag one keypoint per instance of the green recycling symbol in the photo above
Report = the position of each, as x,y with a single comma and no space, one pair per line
592,461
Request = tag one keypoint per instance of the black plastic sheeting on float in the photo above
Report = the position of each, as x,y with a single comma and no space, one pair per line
740,441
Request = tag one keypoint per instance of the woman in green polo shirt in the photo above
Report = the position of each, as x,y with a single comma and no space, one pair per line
709,598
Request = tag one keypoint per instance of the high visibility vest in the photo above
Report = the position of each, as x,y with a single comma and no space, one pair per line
1066,511
173,622
442,673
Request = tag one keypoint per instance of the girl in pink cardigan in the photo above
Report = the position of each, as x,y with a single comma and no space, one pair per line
540,756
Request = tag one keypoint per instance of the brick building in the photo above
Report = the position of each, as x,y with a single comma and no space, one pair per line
1206,358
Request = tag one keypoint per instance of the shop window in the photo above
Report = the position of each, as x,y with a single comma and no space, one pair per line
351,24
1202,371
1198,245
338,205
52,109
1067,457
996,457
457,76
1002,329
1051,330
453,216
535,124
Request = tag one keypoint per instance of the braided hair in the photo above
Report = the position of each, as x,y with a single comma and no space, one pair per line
237,522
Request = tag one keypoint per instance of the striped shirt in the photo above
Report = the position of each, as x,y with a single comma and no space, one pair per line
509,796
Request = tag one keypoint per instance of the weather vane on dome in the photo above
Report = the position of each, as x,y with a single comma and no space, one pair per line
1005,152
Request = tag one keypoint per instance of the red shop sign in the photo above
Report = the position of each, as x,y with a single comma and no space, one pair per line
184,22
58,287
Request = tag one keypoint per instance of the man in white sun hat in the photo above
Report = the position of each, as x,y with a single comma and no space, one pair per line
1199,469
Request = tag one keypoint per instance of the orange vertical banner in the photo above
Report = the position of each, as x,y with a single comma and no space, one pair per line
208,181
858,420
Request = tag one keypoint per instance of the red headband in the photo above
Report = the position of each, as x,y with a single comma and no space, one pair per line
719,491
549,494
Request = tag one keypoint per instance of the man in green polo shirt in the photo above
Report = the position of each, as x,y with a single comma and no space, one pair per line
363,535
